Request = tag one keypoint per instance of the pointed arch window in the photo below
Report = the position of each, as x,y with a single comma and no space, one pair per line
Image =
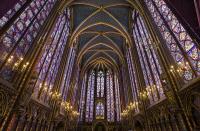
183,48
106,105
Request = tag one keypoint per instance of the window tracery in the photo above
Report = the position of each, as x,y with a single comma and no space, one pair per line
49,61
110,96
182,47
148,60
100,84
90,97
106,103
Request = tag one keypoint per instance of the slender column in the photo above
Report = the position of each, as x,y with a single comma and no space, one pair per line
105,95
86,90
173,79
54,52
10,112
140,78
95,95
21,88
114,97
34,53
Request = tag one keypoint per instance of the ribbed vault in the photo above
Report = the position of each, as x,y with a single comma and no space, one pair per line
101,31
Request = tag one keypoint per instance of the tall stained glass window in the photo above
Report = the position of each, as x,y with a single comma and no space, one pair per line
105,102
110,96
49,61
90,97
133,79
183,48
68,72
100,84
117,98
11,12
18,39
148,59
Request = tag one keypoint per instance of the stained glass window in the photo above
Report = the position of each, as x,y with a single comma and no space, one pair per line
100,110
82,100
75,89
69,74
100,84
24,29
90,97
110,96
49,61
117,98
148,59
102,105
64,81
183,48
11,12
133,79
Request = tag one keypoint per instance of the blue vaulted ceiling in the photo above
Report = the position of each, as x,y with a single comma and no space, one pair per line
99,27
